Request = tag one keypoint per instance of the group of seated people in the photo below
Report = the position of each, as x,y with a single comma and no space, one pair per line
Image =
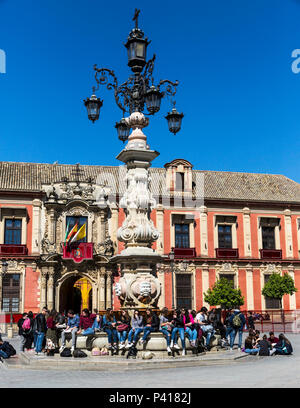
121,327
267,346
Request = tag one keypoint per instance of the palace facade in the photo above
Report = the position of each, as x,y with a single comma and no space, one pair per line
241,226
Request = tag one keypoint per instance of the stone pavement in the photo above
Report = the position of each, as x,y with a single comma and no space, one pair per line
254,371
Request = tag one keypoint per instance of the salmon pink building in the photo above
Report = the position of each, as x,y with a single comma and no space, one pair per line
241,226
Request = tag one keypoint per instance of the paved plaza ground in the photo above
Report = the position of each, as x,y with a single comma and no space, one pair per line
258,372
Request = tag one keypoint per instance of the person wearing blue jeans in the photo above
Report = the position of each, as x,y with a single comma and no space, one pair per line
72,327
165,327
178,323
152,325
237,321
123,324
109,326
40,329
137,326
206,327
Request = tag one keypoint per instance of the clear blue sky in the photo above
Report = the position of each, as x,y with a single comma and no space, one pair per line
240,98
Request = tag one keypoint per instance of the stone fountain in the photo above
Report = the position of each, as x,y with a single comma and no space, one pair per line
138,286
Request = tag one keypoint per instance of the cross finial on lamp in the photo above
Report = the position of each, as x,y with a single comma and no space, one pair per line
136,16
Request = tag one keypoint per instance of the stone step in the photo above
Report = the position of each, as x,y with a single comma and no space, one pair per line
118,363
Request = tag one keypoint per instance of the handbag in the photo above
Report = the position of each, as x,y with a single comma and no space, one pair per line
104,352
122,327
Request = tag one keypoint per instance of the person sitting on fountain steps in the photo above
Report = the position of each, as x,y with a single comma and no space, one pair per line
137,326
178,323
109,326
165,327
151,324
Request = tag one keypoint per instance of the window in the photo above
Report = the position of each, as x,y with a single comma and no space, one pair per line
268,237
80,221
11,293
225,236
183,290
271,303
229,277
180,181
182,235
13,231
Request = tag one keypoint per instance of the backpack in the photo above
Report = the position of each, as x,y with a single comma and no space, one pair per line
79,353
26,324
237,321
8,349
66,353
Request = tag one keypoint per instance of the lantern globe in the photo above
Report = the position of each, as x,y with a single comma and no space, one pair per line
174,119
93,105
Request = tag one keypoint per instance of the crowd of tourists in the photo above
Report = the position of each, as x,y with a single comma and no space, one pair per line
42,333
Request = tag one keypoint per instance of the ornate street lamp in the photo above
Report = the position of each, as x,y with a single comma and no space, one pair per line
139,89
123,130
174,119
93,105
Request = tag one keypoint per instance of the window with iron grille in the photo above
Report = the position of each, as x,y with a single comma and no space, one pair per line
271,303
13,231
229,277
182,236
225,236
11,293
268,237
184,290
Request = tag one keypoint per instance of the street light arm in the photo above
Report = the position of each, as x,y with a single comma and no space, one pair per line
170,88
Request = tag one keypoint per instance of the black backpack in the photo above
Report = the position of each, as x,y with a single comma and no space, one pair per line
66,353
79,353
8,349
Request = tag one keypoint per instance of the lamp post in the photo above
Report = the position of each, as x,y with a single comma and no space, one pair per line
138,286
139,89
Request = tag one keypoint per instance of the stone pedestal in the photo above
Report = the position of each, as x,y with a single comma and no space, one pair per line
10,332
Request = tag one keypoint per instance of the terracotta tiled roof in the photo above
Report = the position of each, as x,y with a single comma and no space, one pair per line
215,184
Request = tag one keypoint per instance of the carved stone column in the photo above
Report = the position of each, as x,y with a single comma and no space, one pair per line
108,288
249,286
101,302
43,286
36,225
50,288
291,272
52,226
205,282
102,227
203,231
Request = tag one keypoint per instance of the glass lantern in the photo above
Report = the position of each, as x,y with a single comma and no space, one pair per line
137,48
123,130
93,106
174,119
153,99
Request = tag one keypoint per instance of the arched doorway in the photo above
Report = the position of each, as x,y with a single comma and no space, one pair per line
75,293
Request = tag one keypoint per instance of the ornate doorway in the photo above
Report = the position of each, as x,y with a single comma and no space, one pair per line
75,293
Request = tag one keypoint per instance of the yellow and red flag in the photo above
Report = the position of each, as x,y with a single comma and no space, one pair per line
71,233
80,234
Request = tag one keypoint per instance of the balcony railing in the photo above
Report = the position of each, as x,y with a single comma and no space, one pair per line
13,249
184,252
227,253
270,253
78,252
